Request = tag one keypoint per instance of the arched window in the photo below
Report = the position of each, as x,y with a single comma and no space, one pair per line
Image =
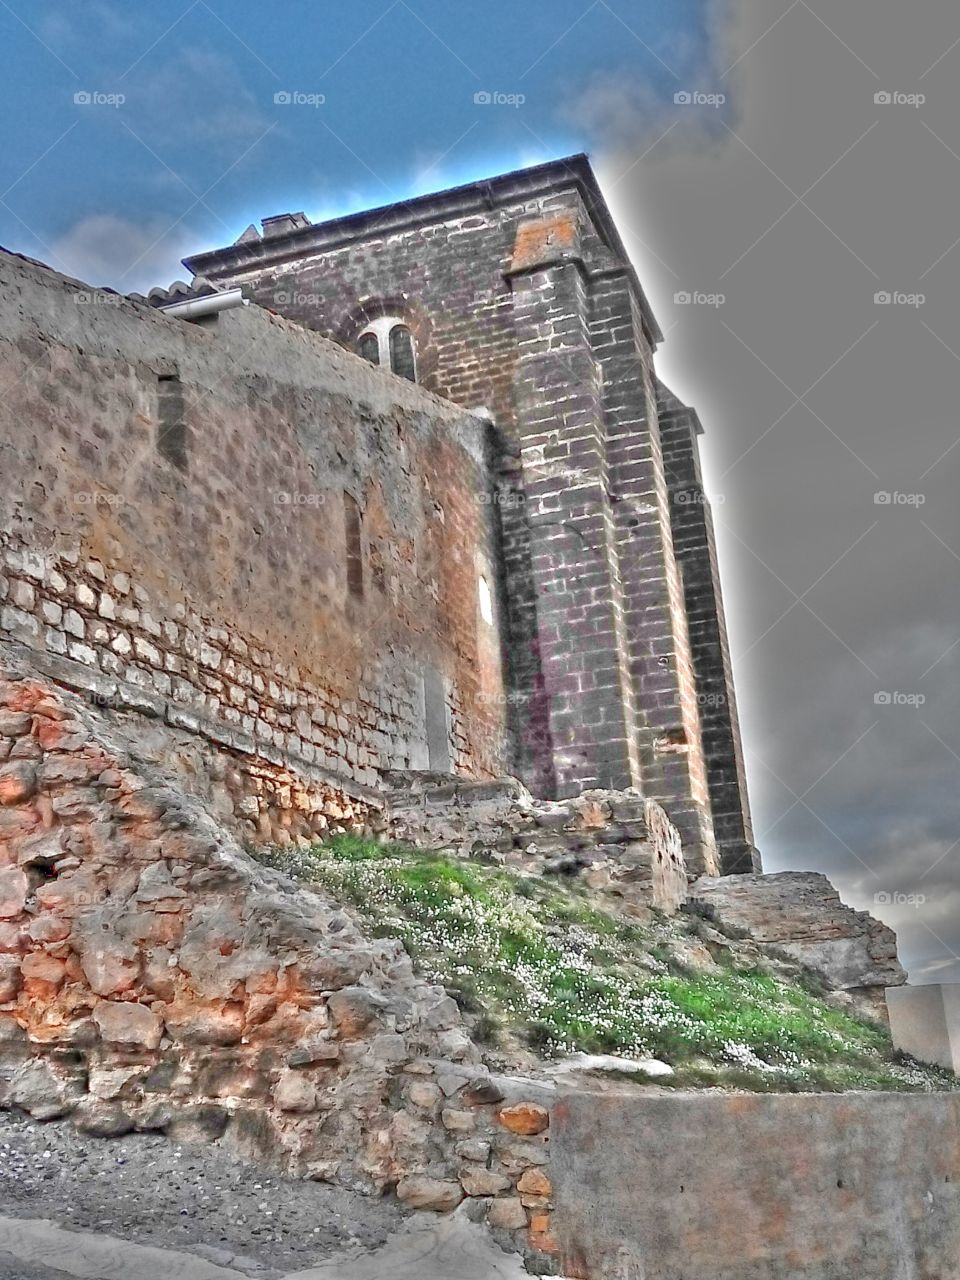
401,353
388,342
369,347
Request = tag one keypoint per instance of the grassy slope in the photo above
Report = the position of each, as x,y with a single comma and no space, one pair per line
535,961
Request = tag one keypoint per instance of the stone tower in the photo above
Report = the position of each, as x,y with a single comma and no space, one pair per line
515,297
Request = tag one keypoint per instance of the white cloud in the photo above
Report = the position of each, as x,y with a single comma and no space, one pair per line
107,250
199,95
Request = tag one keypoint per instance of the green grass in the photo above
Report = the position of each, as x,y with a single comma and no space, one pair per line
532,960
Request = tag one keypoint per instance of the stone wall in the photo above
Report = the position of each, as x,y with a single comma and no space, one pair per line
696,551
521,300
620,843
173,509
748,1187
153,977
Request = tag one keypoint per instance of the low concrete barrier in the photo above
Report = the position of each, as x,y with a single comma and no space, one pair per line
925,1022
757,1187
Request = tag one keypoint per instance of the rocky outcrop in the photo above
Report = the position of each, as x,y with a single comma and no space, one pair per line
619,842
800,913
154,977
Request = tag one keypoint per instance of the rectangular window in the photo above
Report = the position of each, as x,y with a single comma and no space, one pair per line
354,544
171,421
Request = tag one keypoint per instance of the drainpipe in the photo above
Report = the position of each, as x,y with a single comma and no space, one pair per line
210,305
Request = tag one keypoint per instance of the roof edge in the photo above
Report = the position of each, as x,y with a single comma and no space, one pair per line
575,170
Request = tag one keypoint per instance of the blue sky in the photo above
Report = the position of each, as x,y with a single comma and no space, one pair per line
198,148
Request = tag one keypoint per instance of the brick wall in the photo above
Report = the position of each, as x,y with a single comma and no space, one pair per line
174,534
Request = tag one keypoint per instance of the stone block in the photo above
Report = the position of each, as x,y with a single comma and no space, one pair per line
925,1022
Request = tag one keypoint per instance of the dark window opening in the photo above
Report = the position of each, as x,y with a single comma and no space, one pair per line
402,360
369,347
171,421
354,543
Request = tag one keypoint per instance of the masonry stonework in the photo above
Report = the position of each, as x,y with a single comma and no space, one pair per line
154,978
207,588
522,304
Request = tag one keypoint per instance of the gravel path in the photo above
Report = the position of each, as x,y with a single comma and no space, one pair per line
200,1200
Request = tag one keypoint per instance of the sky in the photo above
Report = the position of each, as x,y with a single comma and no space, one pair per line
785,174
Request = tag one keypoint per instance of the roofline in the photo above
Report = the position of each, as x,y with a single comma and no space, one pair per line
575,170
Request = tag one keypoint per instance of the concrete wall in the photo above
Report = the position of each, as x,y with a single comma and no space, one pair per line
925,1022
806,1187
174,522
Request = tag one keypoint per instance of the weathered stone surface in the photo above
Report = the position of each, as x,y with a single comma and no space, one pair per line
638,863
10,977
801,913
110,963
159,978
198,1025
422,1192
484,1182
354,1009
507,1213
14,887
18,782
128,1023
102,1119
38,966
36,1088
526,1118
294,1092
458,1121
314,1051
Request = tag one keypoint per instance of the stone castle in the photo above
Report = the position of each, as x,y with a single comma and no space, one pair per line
514,298
383,524
513,575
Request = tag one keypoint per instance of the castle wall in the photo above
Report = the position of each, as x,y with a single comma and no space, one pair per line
176,537
695,546
519,306
155,978
447,279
